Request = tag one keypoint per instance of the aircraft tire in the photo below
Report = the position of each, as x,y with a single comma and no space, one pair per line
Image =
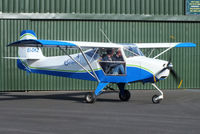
126,96
90,98
154,99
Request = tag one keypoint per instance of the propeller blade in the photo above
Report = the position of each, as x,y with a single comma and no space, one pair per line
170,59
177,78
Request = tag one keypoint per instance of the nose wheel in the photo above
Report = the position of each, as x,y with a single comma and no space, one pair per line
155,99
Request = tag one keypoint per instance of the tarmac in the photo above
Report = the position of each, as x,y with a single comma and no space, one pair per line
66,113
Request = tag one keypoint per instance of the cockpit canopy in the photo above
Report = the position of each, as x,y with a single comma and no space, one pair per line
130,50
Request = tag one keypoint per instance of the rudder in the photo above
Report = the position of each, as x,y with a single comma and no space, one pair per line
29,52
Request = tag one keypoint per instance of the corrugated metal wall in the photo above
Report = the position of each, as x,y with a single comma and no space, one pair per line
154,7
186,60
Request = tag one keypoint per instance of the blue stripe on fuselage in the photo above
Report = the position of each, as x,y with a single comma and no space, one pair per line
20,65
134,74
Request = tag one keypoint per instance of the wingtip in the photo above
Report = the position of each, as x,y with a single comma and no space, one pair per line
186,44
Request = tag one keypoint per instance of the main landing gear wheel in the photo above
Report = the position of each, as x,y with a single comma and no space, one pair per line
126,95
155,99
90,98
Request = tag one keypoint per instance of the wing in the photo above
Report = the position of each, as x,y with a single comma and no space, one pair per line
57,43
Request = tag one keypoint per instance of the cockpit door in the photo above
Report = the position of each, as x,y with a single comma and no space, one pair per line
112,61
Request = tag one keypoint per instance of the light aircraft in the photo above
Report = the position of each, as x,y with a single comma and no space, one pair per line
102,62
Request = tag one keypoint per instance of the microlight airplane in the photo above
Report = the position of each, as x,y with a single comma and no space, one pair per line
102,62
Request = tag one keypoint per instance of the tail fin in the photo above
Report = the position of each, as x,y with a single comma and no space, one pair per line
29,52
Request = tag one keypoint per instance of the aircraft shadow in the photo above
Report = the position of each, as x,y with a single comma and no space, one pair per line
77,97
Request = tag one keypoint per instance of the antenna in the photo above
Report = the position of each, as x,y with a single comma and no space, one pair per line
105,35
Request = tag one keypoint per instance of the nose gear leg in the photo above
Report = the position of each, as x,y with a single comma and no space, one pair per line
157,98
121,88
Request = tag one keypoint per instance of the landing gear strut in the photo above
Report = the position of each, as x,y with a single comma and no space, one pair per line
124,95
157,98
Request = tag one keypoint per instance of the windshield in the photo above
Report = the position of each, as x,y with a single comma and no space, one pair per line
132,50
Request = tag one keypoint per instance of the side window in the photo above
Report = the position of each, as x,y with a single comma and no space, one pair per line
112,61
92,54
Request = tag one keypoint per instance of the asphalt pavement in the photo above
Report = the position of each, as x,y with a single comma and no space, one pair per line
66,113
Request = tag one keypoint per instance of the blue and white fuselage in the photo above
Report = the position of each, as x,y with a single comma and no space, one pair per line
138,68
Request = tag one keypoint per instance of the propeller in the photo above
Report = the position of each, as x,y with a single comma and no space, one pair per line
170,68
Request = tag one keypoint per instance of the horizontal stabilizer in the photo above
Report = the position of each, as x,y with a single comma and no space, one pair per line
16,58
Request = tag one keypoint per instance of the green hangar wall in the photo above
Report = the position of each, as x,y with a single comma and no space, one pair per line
126,21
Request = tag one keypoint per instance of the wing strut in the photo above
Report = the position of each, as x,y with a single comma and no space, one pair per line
95,76
89,64
162,52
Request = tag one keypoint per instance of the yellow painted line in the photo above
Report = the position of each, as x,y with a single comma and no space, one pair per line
180,84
